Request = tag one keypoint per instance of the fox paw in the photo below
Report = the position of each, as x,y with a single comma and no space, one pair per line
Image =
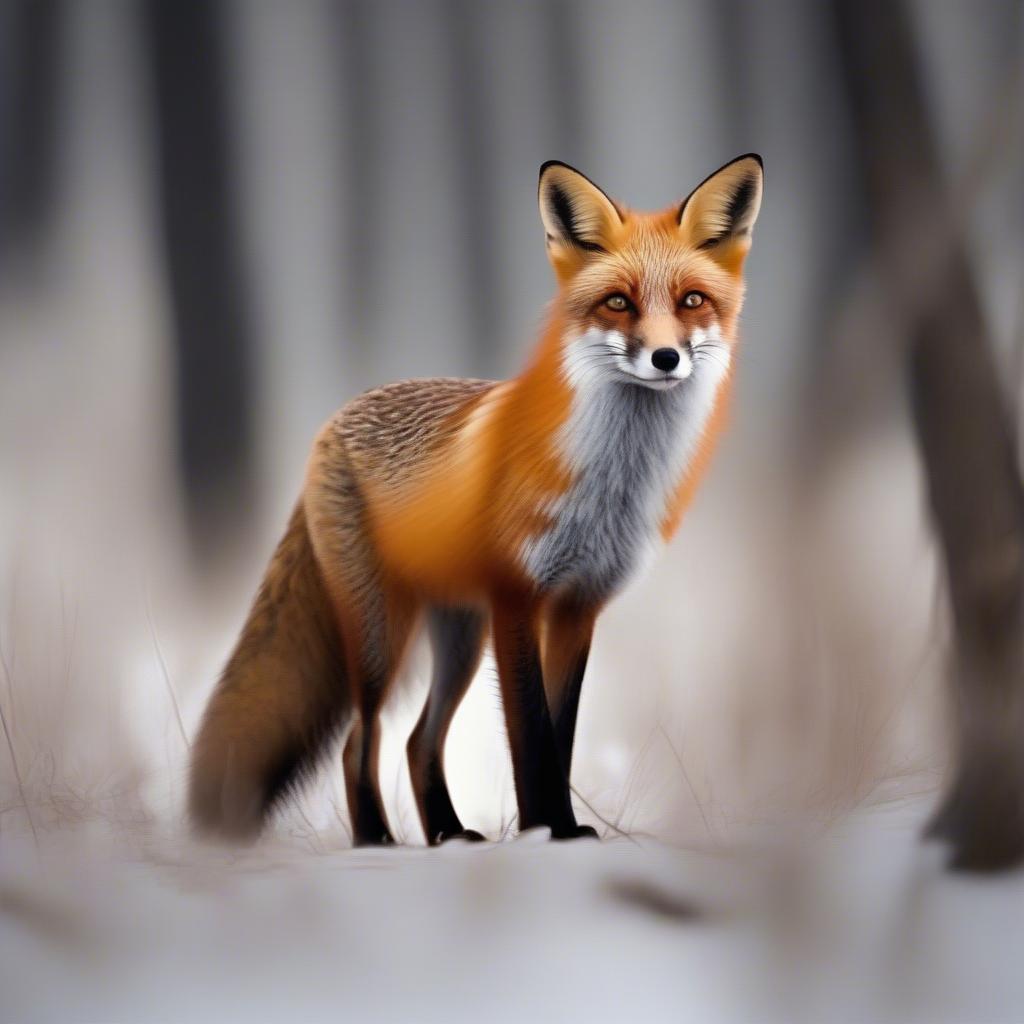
469,835
578,832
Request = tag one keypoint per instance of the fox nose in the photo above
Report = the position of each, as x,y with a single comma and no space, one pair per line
665,359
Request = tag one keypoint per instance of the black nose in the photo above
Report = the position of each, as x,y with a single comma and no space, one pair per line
665,359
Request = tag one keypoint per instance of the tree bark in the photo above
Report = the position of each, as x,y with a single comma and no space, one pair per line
964,433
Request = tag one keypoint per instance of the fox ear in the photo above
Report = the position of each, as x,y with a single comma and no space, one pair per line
578,217
720,212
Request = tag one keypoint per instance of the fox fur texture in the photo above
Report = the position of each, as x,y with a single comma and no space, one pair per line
512,510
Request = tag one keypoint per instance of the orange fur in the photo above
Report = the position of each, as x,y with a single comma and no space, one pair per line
429,495
455,527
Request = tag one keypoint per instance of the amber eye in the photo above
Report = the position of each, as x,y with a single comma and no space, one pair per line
691,300
617,303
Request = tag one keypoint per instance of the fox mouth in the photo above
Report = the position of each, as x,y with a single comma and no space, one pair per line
666,383
656,380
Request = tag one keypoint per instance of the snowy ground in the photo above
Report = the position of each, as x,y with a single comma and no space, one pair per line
858,923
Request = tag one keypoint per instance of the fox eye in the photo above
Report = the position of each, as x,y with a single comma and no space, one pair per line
617,303
691,300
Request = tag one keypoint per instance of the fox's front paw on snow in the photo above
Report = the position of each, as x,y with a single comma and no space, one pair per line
469,835
576,832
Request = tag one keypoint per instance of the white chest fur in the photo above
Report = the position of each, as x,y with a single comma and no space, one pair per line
628,447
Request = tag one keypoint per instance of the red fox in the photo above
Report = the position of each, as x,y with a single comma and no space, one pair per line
514,508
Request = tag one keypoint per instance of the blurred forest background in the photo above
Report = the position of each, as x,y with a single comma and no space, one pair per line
220,221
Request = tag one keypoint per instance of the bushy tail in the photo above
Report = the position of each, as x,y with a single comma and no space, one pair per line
279,701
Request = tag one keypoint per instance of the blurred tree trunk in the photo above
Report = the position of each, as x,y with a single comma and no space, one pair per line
212,344
364,155
30,58
963,430
475,182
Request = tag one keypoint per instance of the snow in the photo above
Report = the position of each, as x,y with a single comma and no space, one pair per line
769,703
860,923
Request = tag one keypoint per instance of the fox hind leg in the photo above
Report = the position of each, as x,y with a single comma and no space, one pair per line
375,619
456,637
375,644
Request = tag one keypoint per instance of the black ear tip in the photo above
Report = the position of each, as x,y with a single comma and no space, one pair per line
548,164
751,156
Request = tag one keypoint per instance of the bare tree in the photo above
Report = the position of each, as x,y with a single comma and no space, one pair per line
963,429
186,45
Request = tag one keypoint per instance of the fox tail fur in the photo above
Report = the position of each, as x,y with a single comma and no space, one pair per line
280,700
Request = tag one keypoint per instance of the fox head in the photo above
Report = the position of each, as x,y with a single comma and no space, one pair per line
646,297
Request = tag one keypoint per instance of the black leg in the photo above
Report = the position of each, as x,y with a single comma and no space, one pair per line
542,786
569,628
456,636
369,825
374,656
565,717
